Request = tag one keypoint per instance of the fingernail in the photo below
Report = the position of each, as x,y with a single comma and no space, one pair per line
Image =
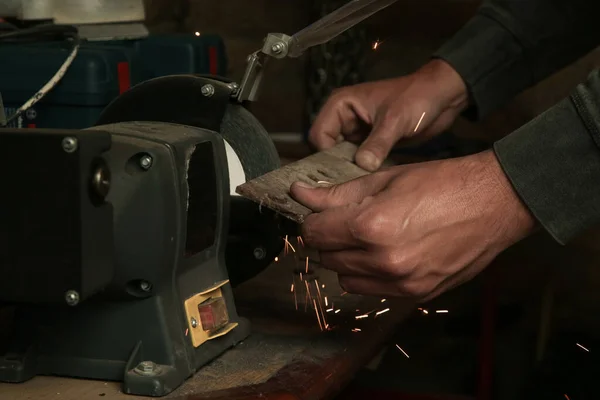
367,160
303,185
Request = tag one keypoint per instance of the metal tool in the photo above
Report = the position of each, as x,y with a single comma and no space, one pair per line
279,45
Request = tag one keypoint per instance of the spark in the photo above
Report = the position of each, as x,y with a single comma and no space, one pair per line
567,397
328,376
288,244
187,331
323,286
296,301
197,33
400,348
326,302
317,312
324,183
299,240
329,310
300,275
441,311
320,299
383,300
419,123
292,288
343,294
382,312
308,290
425,312
306,265
356,330
582,347
276,259
362,316
337,311
376,44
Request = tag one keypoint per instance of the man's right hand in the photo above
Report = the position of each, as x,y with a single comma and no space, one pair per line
385,112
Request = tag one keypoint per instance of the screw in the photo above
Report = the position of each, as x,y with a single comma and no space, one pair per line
72,298
101,181
277,48
234,87
208,90
146,162
260,253
145,286
147,368
194,322
69,144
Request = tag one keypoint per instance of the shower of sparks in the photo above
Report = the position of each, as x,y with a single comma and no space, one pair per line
441,311
299,240
582,347
419,123
382,312
383,300
306,270
276,259
356,330
376,44
326,302
362,316
337,311
317,312
403,352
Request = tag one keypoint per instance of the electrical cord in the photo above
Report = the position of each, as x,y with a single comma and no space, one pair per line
41,33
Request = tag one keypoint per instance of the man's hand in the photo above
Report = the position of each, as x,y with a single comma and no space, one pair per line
387,111
415,230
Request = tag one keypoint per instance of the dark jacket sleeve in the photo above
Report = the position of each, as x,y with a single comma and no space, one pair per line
512,44
553,162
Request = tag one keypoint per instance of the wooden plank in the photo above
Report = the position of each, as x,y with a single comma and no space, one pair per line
272,190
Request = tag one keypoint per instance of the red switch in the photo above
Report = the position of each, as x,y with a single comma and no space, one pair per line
213,314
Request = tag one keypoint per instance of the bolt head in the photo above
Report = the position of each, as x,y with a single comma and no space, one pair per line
72,297
147,368
277,48
146,162
207,90
69,144
194,322
260,253
145,286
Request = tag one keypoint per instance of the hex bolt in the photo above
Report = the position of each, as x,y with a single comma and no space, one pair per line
277,48
69,144
260,253
147,368
207,90
146,162
72,298
194,322
145,286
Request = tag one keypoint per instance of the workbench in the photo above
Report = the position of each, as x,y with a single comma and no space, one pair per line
287,356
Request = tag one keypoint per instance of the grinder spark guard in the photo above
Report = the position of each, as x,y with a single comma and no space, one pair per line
114,239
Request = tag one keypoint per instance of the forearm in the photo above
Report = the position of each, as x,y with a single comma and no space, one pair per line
511,45
553,163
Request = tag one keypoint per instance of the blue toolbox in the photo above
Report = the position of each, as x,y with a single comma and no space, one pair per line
100,72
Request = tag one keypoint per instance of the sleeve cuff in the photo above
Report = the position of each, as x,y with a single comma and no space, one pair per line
490,61
554,165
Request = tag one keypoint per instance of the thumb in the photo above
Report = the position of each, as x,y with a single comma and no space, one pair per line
376,147
354,191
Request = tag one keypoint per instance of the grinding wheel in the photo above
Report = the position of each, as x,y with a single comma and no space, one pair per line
254,235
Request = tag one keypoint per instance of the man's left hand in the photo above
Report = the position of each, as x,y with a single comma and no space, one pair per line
414,230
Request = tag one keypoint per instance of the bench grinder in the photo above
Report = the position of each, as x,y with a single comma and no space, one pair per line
114,240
